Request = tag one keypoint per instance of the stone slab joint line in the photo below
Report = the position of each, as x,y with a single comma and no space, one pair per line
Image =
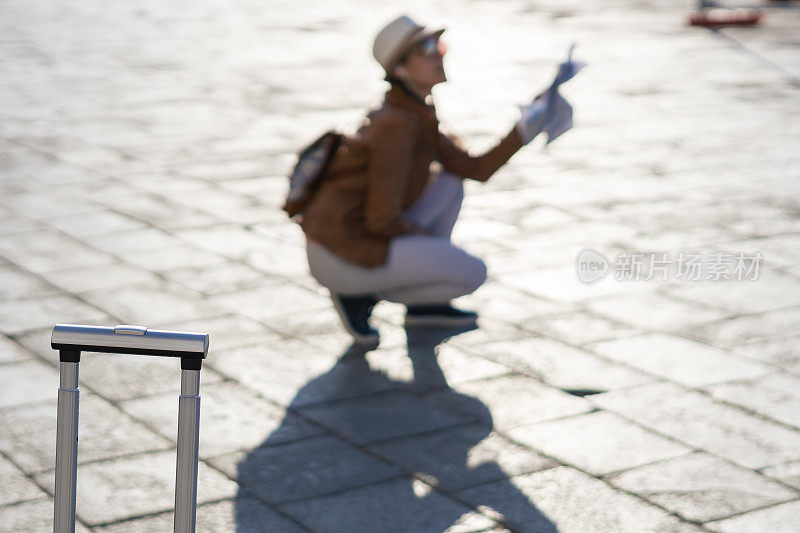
791,79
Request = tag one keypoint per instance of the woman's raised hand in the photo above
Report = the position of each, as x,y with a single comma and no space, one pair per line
534,117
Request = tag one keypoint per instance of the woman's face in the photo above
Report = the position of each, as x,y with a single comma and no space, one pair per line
424,66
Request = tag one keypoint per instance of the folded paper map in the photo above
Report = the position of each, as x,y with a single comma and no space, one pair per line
559,111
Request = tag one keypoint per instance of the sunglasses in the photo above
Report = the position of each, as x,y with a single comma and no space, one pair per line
430,47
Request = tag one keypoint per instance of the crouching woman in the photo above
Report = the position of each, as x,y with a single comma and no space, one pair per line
379,226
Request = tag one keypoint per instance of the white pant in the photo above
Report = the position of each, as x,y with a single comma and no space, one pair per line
420,269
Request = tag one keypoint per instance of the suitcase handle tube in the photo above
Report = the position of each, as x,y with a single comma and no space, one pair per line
66,444
188,442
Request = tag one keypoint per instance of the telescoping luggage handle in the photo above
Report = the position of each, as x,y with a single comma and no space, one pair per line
70,340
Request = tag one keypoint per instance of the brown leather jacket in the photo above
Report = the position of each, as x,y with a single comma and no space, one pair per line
381,171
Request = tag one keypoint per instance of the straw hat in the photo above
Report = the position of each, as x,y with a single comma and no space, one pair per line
397,38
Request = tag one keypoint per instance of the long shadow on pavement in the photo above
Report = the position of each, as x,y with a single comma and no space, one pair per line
394,456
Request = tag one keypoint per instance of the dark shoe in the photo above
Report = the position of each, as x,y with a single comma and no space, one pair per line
355,312
438,315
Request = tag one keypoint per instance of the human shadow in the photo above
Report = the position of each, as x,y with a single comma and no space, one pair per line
387,455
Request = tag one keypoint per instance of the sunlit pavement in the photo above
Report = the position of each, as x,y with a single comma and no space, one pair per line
143,148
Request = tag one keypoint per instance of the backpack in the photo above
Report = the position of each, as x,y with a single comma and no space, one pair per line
309,172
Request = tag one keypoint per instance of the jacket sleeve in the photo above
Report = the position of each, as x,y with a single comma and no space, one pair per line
390,143
459,162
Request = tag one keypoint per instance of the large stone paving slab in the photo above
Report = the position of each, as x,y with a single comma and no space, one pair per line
562,284
243,515
779,250
384,416
169,257
104,277
92,223
304,469
510,401
133,486
458,367
701,488
216,278
283,264
135,240
598,443
17,283
29,437
399,505
578,327
651,310
565,500
123,377
749,328
788,473
231,419
272,298
423,364
228,240
783,352
779,518
323,329
776,396
11,352
461,457
490,330
37,342
499,302
155,304
27,382
686,362
228,331
19,316
772,290
59,203
561,366
42,251
298,374
36,515
697,420
16,486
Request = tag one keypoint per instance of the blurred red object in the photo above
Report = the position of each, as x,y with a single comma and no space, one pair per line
725,17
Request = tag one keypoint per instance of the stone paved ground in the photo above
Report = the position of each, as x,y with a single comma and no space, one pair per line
142,148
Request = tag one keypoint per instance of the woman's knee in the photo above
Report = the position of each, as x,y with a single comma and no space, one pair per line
462,268
474,274
480,273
